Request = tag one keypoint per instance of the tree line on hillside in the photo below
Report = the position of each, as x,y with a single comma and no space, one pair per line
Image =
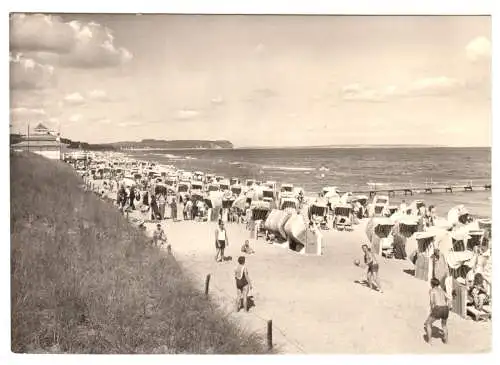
145,143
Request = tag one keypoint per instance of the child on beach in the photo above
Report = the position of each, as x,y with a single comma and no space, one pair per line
372,265
221,241
247,249
440,309
243,284
159,236
478,292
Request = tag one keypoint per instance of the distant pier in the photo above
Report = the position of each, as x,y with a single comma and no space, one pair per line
425,190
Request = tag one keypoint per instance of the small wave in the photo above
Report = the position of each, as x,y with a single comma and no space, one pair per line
287,168
370,183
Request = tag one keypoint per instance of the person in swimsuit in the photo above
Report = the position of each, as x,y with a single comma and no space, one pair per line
221,241
159,236
478,292
372,272
243,284
246,248
439,309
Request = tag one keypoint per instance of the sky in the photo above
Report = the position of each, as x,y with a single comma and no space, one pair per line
254,80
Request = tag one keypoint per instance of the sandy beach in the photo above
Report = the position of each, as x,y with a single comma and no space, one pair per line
314,302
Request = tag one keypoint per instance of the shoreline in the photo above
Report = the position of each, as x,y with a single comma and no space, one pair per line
303,288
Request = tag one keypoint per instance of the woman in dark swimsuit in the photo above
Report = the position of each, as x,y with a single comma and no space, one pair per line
243,284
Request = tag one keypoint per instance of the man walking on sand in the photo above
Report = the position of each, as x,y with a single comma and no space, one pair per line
221,241
372,264
439,309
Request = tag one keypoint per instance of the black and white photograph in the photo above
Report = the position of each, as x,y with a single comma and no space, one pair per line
250,183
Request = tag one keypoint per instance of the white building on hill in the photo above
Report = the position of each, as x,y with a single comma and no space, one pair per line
42,141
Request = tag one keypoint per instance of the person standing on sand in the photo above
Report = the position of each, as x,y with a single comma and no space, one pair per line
243,284
174,210
372,265
221,241
161,205
439,309
159,236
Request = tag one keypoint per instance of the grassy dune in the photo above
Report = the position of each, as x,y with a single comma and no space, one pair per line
85,281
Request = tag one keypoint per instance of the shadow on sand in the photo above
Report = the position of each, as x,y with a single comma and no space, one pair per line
410,272
436,333
364,283
250,303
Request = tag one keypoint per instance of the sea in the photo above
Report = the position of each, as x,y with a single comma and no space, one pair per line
351,169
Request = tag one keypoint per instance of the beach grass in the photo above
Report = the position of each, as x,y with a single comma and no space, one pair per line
83,280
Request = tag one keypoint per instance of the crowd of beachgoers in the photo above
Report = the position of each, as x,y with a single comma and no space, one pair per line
451,249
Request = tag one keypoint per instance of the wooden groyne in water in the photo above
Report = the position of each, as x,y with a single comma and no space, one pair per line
425,190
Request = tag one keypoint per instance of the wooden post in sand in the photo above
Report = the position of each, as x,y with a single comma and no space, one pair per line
270,334
207,284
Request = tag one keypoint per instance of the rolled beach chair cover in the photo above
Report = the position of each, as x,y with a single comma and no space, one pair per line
276,221
294,229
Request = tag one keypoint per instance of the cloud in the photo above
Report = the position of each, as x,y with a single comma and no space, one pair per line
99,95
265,93
429,86
217,100
75,118
22,112
21,117
435,86
74,99
38,32
76,44
103,121
260,48
478,49
187,114
130,124
260,94
359,92
26,73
